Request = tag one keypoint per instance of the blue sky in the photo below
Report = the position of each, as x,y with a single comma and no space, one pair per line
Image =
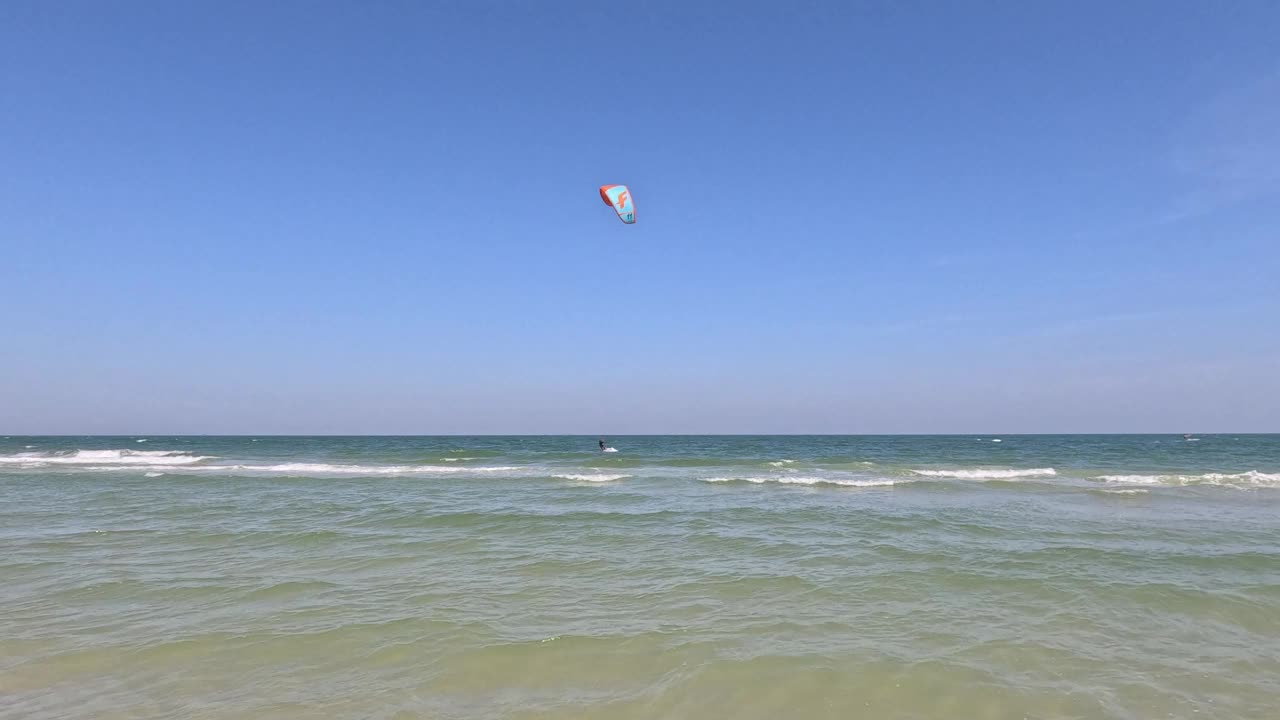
852,217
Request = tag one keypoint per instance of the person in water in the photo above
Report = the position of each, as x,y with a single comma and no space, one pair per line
601,444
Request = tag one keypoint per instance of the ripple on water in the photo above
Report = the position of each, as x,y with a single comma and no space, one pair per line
443,594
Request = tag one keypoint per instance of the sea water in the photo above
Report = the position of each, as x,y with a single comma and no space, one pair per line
680,577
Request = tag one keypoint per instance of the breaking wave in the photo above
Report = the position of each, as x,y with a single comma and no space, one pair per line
598,477
988,474
104,457
1252,478
794,480
326,469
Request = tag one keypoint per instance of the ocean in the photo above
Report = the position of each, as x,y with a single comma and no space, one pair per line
1110,576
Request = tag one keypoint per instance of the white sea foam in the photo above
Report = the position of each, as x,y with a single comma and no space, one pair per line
988,474
782,463
104,457
598,477
187,465
1252,478
327,469
142,440
154,474
793,480
1138,479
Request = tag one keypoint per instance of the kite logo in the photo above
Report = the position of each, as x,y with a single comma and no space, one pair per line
623,197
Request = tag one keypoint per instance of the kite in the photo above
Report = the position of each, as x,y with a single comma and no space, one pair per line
619,198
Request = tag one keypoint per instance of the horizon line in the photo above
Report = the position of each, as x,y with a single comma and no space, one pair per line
579,434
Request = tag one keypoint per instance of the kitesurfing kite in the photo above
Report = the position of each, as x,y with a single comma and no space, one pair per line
619,198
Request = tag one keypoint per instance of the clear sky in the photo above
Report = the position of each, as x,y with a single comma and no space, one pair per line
382,217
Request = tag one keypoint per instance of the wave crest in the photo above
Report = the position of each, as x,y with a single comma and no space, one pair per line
105,457
793,480
598,477
988,473
326,469
1252,478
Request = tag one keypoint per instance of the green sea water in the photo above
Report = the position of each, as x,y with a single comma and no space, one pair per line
679,577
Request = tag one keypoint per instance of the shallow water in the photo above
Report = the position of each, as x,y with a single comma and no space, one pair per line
682,577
